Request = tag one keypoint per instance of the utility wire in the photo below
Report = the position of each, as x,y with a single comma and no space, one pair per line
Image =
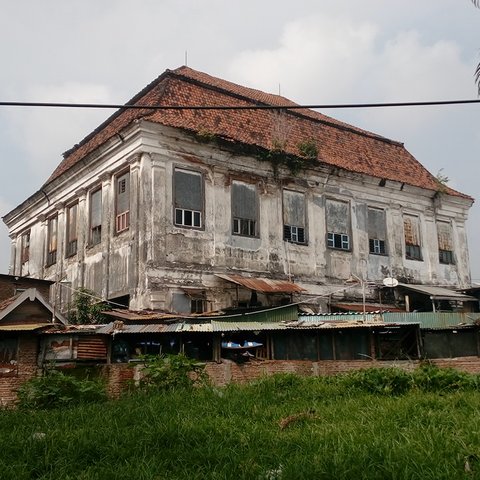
236,107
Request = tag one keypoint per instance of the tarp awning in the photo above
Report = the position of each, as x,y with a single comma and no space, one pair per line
438,293
263,285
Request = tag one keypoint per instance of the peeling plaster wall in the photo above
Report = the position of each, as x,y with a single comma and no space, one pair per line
154,258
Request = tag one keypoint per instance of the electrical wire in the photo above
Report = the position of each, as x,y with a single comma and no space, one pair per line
237,107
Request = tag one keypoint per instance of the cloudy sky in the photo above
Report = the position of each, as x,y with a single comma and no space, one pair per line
315,52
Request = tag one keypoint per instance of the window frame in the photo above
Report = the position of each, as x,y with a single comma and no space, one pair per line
95,231
71,244
52,240
25,247
413,251
294,231
242,226
342,239
122,218
181,213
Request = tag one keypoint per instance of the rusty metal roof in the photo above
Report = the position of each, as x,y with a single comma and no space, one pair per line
263,285
24,327
139,315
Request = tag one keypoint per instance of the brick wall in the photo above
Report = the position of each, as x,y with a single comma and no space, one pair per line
26,369
9,283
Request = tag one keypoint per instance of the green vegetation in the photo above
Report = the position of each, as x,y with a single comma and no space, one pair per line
376,424
55,389
169,372
85,308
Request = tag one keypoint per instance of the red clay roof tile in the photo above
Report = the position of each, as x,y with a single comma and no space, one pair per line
339,144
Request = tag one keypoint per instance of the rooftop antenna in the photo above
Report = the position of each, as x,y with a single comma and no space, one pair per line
186,58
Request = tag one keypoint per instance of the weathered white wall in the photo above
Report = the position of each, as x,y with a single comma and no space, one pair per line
154,258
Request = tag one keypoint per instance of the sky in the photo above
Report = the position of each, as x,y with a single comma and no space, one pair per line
313,52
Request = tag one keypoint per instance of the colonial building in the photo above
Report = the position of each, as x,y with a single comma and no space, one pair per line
189,210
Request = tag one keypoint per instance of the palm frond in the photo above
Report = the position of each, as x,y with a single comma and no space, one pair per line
477,77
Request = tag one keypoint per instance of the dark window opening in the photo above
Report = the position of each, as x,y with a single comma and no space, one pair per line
376,246
339,241
25,246
446,257
122,203
244,226
293,234
71,233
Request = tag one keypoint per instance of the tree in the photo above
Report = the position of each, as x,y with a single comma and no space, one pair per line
477,71
86,308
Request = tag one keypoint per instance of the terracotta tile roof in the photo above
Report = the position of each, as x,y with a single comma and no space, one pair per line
339,144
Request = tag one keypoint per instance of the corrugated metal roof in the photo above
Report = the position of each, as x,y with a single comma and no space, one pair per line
139,316
263,285
139,328
23,328
434,320
439,293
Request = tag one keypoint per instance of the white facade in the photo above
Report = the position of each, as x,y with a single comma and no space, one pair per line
164,244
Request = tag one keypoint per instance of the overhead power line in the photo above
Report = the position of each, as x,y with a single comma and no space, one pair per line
236,107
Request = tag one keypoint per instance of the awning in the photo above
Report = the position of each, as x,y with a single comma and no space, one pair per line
439,293
263,285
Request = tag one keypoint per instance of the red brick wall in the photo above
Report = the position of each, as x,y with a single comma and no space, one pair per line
26,369
228,371
8,284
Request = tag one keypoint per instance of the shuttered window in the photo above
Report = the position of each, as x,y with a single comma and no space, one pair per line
122,202
25,246
52,225
95,217
294,217
71,233
377,231
445,243
244,209
411,229
188,198
338,224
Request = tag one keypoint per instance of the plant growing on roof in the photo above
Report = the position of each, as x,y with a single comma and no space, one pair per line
442,180
204,135
308,149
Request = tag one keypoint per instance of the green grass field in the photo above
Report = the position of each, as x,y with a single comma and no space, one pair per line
283,427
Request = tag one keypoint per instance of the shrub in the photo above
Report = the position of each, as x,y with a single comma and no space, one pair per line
55,389
429,377
384,381
168,372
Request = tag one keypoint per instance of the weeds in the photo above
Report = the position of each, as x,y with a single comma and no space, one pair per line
55,389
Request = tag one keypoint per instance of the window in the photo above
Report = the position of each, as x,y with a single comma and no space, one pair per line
338,225
122,202
25,247
95,217
188,193
338,240
411,230
197,305
52,225
244,209
445,243
377,231
294,217
71,233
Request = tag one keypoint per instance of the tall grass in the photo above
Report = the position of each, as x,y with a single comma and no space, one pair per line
281,427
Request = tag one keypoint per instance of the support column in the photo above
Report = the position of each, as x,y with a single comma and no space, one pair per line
107,229
83,225
13,255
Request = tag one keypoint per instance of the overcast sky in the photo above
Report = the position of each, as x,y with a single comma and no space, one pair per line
318,51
